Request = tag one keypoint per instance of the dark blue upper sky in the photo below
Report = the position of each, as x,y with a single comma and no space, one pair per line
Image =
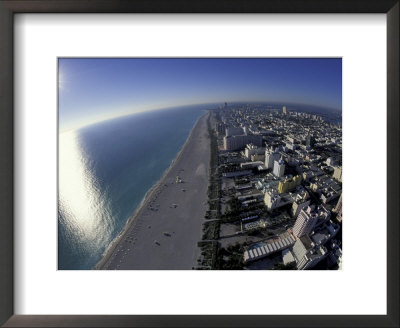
96,89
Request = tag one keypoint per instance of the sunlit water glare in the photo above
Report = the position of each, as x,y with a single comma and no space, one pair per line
105,170
86,217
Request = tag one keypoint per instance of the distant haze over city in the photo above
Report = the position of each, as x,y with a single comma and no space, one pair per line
96,89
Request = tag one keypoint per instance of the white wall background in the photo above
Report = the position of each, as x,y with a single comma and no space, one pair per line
360,288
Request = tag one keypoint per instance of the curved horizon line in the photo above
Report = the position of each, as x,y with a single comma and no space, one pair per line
197,104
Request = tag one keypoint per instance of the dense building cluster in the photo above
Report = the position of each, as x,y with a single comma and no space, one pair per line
281,186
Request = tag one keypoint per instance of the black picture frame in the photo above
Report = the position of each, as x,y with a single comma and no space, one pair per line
10,7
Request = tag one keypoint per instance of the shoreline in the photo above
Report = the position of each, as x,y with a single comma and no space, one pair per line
152,193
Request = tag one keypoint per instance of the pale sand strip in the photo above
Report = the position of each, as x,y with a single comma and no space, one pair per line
176,229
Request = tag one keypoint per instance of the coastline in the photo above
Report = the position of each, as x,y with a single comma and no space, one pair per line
110,255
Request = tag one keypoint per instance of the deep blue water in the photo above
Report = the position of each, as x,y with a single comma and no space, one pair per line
105,170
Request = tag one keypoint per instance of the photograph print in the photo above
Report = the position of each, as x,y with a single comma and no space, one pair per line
199,164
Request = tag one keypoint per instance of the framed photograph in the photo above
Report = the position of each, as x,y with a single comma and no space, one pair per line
183,164
231,194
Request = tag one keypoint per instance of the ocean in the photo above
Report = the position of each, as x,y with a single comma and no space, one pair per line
105,171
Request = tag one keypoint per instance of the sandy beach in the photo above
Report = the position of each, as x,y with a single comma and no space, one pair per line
164,231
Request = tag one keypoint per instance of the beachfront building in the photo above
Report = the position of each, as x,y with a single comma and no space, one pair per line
238,142
233,131
220,128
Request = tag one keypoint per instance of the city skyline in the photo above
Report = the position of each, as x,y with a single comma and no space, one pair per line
96,89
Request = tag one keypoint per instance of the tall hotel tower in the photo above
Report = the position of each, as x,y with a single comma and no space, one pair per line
306,221
270,157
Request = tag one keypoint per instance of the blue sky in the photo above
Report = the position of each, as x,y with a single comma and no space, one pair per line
91,89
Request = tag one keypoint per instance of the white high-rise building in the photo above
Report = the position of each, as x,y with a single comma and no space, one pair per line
308,218
233,131
279,168
270,157
239,142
